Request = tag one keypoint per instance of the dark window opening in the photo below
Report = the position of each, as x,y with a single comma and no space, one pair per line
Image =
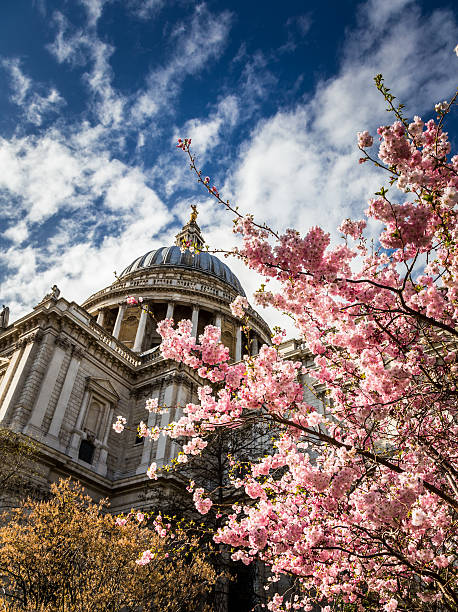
86,451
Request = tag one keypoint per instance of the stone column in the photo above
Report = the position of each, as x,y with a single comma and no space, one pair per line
140,335
195,320
62,403
17,375
101,466
172,448
170,308
47,387
76,437
100,317
218,320
11,369
30,385
147,442
238,344
169,403
117,326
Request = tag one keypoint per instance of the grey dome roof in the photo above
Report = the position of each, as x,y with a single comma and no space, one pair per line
173,257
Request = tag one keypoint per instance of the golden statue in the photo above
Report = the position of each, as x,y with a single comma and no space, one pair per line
193,214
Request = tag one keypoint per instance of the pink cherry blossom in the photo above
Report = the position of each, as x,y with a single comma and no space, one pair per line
120,424
152,404
147,557
239,306
365,139
357,494
152,471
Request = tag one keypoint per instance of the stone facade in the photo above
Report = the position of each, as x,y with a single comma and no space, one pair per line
68,370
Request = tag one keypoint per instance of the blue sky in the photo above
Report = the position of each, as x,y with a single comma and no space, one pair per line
95,92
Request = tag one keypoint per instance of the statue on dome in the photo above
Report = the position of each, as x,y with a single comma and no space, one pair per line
4,317
194,214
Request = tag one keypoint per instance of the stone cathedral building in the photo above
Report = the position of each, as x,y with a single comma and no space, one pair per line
68,370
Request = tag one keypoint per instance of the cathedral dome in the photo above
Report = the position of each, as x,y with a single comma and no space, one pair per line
175,256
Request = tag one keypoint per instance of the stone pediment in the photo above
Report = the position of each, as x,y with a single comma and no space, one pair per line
104,387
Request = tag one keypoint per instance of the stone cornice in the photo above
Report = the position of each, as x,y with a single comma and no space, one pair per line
174,279
92,338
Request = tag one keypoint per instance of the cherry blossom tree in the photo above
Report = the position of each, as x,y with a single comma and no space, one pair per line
360,504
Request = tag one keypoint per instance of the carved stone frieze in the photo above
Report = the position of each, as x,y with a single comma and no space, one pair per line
35,337
62,342
78,352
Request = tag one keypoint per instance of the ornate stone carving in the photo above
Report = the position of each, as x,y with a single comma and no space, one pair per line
78,352
52,295
62,342
35,337
4,317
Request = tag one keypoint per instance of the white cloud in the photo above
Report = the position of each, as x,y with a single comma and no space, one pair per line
78,47
194,42
94,10
43,174
17,233
20,83
145,9
26,94
206,133
300,168
69,45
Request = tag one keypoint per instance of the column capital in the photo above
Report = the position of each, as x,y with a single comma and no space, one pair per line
62,342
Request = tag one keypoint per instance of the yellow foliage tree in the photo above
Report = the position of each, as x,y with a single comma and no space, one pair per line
68,555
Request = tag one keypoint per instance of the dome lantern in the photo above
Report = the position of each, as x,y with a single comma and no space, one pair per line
190,235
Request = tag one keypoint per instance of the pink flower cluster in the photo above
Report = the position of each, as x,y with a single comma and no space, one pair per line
152,404
147,557
133,301
239,306
203,504
152,471
120,424
354,229
357,496
365,140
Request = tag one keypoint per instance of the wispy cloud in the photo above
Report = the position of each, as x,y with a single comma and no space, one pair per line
35,100
79,47
193,42
145,9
